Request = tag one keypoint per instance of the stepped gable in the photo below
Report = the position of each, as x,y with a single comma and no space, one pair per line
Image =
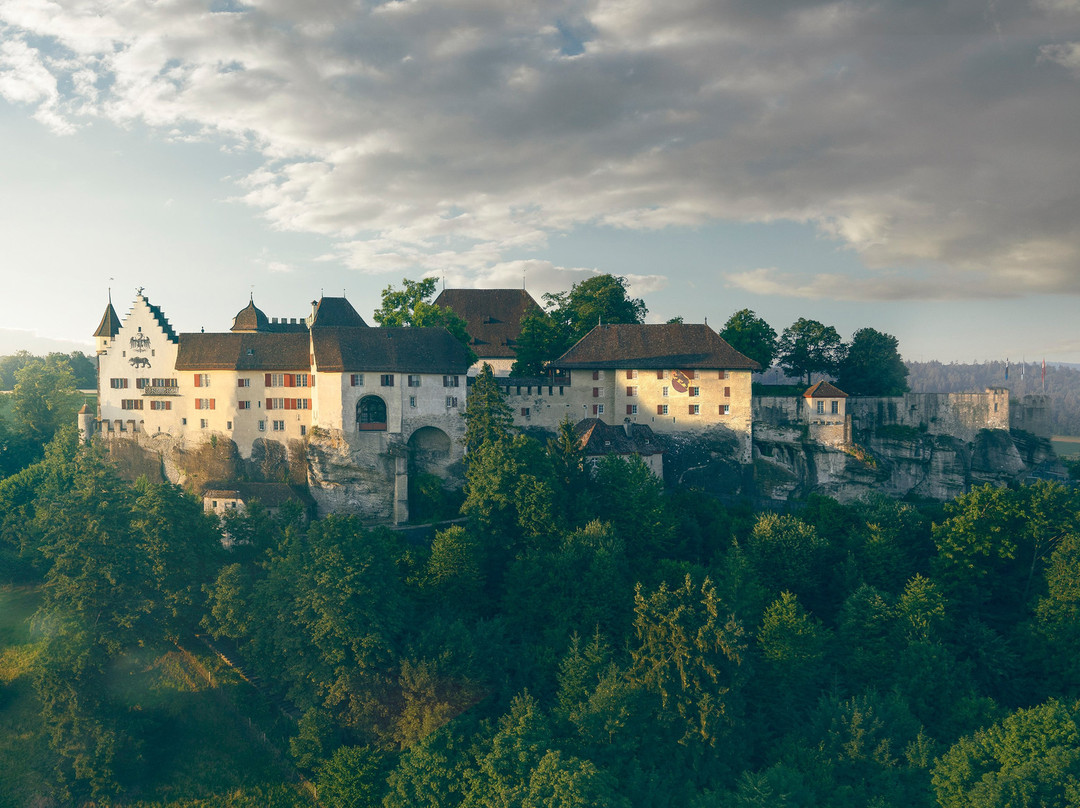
335,312
492,317
244,351
654,346
110,323
162,321
824,389
413,350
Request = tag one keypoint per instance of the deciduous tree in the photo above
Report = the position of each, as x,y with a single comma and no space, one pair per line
871,365
751,335
807,347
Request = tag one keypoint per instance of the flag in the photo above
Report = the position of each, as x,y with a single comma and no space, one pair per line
1006,369
1044,369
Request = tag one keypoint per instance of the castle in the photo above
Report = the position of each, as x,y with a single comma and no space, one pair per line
358,413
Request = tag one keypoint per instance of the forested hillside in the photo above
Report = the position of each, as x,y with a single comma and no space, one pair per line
576,640
1062,385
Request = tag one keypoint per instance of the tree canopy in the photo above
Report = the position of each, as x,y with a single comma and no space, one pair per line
751,335
807,347
872,365
410,306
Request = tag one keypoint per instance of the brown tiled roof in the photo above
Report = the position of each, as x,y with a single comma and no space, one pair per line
250,318
110,323
492,317
597,438
244,351
335,312
272,495
824,389
663,346
415,350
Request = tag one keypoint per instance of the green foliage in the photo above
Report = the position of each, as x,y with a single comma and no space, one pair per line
354,777
750,335
1032,758
789,555
807,347
487,416
542,339
871,365
409,306
41,395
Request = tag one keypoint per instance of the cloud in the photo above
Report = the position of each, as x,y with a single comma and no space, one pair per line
459,136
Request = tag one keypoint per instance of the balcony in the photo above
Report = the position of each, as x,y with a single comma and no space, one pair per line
161,391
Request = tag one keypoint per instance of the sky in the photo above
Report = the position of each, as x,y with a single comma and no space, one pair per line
909,165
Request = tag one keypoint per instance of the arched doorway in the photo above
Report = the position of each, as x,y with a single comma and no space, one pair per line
429,495
371,414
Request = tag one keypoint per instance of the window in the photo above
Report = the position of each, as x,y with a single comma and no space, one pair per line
412,401
205,403
243,382
664,392
301,380
596,392
727,392
631,392
228,424
597,375
451,402
279,426
414,380
659,374
356,380
131,404
821,407
303,404
303,430
371,414
262,426
695,391
142,384
725,409
598,409
161,405
695,409
203,423
631,409
183,422
631,374
202,379
243,405
387,380
723,374
524,412
661,409
118,384
450,381
164,383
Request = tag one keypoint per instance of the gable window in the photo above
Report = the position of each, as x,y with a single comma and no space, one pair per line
387,380
371,414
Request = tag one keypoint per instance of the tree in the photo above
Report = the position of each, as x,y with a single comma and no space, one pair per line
807,347
41,402
409,306
1031,758
487,415
353,777
541,340
872,366
750,335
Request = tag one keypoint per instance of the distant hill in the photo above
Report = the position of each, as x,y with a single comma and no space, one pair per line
1062,385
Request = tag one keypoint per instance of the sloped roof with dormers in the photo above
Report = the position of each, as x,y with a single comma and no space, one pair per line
492,317
597,438
824,389
654,346
244,351
416,350
110,323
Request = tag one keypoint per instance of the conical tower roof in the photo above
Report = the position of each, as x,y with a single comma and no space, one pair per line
110,323
250,318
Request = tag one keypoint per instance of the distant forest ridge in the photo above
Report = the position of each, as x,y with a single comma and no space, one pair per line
1062,385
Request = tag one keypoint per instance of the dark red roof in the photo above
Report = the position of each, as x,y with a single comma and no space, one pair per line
492,317
244,351
661,346
598,438
415,350
824,389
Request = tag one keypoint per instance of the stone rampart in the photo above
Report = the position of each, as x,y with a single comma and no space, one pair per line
959,415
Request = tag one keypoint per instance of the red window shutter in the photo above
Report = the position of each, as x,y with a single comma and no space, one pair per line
596,375
659,409
629,391
629,409
212,402
198,380
722,376
689,374
596,392
595,409
269,403
291,402
727,392
691,409
659,374
308,405
267,380
198,403
239,382
290,380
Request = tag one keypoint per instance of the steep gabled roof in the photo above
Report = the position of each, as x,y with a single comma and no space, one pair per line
413,350
336,312
670,346
244,351
597,438
492,317
824,389
162,321
110,323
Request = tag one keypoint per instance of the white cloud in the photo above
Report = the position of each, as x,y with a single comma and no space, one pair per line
460,135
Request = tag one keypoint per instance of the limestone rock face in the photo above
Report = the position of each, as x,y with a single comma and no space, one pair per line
353,473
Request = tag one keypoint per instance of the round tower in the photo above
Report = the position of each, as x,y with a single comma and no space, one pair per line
86,424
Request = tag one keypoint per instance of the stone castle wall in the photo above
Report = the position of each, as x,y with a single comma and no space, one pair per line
960,415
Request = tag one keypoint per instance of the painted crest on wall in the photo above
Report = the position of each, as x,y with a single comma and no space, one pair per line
140,342
680,381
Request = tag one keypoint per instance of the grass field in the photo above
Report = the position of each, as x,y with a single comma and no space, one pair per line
1066,445
204,751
